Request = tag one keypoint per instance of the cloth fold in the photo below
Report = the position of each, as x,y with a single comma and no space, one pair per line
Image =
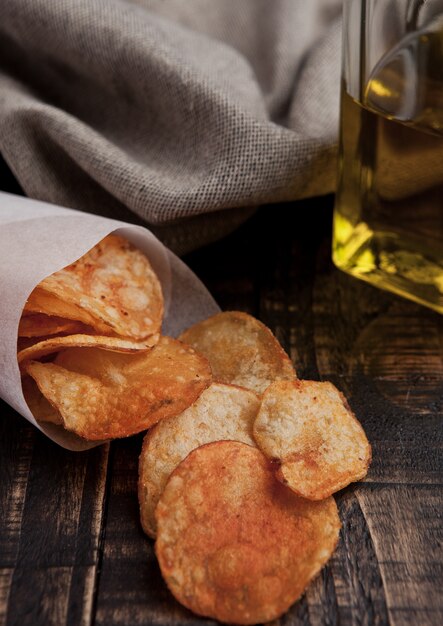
170,109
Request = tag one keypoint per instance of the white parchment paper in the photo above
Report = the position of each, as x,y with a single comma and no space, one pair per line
37,239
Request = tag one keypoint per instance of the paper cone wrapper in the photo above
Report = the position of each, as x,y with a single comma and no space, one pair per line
38,239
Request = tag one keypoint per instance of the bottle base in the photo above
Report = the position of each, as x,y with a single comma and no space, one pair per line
392,262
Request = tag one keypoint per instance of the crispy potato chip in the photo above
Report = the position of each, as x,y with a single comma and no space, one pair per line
241,350
233,543
41,325
40,301
115,283
103,395
310,430
221,412
41,409
26,342
55,344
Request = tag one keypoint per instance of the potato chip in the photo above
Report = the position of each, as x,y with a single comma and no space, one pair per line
41,325
221,412
241,350
310,430
115,283
40,301
41,409
26,342
55,344
103,395
233,543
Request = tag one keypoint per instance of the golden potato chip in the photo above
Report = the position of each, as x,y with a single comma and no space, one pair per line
103,395
42,410
233,543
241,350
115,283
40,325
55,344
310,430
221,412
26,342
40,301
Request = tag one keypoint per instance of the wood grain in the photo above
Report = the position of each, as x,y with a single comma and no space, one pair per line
406,526
71,547
50,533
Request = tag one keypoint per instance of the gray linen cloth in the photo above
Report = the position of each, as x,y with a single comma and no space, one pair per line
183,114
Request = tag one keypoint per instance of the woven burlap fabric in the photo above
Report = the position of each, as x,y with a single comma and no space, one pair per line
183,114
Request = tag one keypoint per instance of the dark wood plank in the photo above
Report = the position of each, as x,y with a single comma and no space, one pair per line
16,444
405,522
17,441
357,575
50,532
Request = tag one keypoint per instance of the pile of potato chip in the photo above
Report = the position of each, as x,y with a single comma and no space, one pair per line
90,348
241,460
237,488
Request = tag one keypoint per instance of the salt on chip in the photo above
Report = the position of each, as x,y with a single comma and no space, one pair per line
41,409
221,412
41,301
241,350
40,325
233,543
55,344
115,283
309,429
103,395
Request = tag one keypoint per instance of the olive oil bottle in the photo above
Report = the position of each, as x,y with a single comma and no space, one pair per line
388,219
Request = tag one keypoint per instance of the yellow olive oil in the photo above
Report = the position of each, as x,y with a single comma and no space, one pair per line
388,219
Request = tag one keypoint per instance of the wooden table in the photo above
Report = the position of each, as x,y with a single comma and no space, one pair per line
71,547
